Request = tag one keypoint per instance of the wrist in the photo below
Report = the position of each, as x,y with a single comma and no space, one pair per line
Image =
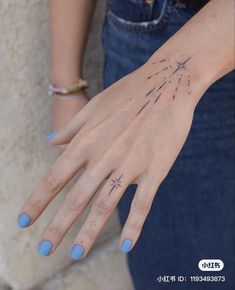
72,96
64,77
74,88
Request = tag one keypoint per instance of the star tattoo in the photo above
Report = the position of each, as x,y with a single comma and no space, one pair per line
181,65
179,72
116,183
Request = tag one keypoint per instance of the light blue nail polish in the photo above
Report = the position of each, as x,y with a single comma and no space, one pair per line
23,220
52,135
44,248
77,252
126,246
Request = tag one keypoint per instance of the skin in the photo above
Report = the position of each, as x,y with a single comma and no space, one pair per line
119,140
65,108
69,22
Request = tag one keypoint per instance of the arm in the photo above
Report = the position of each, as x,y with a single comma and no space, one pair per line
135,137
70,22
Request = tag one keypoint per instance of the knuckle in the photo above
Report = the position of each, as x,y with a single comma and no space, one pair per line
55,231
89,234
75,202
134,225
35,205
102,206
141,205
51,182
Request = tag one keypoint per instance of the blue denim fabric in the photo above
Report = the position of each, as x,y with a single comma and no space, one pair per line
192,217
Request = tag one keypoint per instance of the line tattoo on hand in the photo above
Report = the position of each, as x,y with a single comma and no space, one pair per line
176,72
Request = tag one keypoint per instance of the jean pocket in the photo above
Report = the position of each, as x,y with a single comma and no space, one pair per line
143,26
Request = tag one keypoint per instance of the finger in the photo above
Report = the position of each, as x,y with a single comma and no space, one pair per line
75,203
62,170
140,208
66,133
63,147
102,207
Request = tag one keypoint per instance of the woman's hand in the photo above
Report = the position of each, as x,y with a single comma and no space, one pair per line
130,133
133,132
65,108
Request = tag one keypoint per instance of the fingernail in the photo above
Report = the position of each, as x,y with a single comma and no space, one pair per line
23,220
44,248
77,252
52,135
126,246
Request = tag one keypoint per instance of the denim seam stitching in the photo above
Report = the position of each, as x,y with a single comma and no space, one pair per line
145,26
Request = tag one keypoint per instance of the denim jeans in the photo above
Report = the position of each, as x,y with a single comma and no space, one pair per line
192,216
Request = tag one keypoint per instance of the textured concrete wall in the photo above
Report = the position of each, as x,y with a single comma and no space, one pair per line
25,117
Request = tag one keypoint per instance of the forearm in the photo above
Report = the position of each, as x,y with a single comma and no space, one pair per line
208,40
70,21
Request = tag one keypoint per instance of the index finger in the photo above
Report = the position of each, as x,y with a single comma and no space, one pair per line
58,175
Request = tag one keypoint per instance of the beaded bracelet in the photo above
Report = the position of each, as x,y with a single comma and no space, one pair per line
80,85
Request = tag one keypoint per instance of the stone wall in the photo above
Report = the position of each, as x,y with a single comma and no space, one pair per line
25,118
